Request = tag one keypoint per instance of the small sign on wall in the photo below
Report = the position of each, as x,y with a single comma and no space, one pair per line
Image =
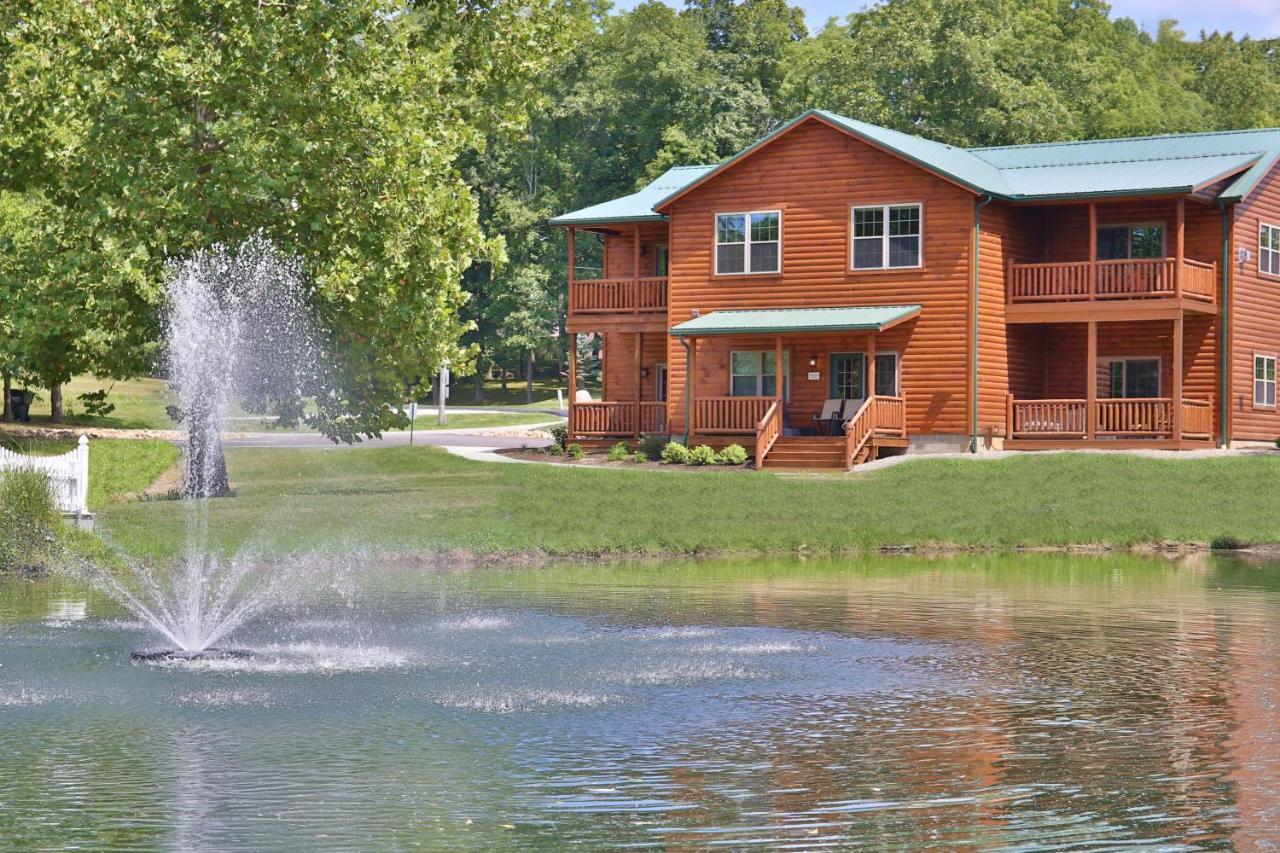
814,376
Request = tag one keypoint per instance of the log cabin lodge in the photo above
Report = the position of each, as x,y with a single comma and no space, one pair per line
839,290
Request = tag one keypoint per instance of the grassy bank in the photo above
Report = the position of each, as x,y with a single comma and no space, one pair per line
420,499
118,469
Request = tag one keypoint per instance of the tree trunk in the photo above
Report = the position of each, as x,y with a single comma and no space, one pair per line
480,374
528,387
502,377
206,465
56,415
8,409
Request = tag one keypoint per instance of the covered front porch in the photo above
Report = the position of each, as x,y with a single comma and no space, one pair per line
797,387
1145,384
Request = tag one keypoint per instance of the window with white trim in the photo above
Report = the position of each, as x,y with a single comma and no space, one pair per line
886,236
1269,249
749,242
754,373
660,383
1264,380
886,374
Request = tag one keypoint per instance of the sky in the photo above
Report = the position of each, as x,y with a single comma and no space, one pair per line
1258,18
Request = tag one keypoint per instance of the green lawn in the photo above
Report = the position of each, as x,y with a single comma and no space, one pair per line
420,499
544,393
118,468
139,403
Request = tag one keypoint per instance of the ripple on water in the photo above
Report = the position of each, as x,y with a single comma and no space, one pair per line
17,696
680,672
226,699
507,701
474,623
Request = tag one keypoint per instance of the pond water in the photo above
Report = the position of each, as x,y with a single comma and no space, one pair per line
1027,701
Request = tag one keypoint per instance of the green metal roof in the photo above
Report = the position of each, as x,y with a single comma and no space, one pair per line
637,207
777,320
1148,165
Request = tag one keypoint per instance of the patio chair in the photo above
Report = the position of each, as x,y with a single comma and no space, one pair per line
831,410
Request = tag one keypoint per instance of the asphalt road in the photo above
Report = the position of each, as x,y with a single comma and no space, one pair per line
430,438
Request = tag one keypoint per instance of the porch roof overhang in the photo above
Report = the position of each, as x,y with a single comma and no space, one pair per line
784,320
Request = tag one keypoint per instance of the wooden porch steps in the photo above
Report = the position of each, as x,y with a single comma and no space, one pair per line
806,453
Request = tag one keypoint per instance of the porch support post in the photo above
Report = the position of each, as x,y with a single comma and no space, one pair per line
1091,383
1093,249
779,377
1179,244
573,374
871,364
1177,377
639,382
635,273
572,259
690,389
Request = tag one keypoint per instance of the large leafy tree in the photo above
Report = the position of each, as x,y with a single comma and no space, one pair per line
157,127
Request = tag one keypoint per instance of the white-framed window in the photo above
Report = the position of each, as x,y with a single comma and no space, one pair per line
1269,249
749,242
886,236
886,374
753,373
1264,380
1136,240
660,383
661,257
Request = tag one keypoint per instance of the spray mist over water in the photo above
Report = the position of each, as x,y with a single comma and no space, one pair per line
238,328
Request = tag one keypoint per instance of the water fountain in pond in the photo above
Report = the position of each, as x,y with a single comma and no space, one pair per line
237,327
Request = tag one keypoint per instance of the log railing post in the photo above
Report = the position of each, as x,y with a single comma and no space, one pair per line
1008,416
1093,250
1091,382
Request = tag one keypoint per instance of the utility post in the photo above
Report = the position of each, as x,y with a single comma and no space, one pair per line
442,393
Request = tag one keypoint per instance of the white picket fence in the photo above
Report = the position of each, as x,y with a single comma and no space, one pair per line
68,474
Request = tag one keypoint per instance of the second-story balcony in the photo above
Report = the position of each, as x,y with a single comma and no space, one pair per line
1134,278
596,296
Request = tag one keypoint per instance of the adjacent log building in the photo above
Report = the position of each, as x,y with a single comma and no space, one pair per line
1112,293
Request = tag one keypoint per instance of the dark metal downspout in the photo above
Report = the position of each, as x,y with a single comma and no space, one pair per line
977,263
1224,312
684,438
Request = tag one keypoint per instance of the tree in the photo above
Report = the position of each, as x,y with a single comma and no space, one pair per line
158,127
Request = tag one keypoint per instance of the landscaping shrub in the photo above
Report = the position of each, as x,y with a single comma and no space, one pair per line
1228,543
652,446
559,436
675,453
734,454
702,455
575,451
556,450
29,520
639,458
619,452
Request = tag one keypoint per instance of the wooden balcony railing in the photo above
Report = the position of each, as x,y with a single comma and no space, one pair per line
1146,417
890,416
627,419
858,430
618,295
1138,278
729,415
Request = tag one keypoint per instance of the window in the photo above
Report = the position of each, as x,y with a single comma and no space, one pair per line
1264,380
1120,242
1133,377
660,383
754,374
886,236
1269,249
886,374
660,259
748,242
847,378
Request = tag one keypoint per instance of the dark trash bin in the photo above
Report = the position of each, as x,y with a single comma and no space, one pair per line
20,405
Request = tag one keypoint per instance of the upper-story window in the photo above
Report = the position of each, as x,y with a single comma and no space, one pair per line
748,242
886,236
1122,242
1269,249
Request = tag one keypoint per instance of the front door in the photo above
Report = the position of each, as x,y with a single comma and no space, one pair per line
848,378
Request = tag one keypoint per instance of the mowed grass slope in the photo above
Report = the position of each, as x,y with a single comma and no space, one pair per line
420,499
118,468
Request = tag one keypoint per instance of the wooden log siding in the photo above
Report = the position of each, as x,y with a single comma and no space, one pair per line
815,174
1255,314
